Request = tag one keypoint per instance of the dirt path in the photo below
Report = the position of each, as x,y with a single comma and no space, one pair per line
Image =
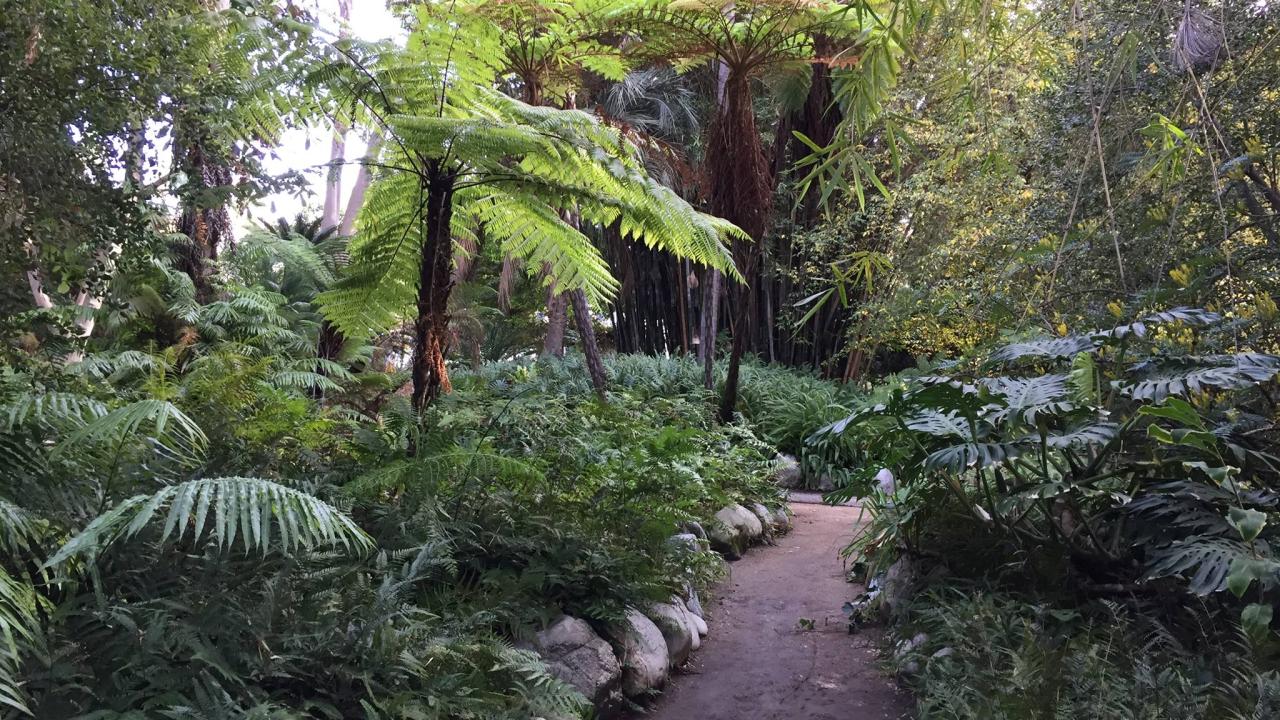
757,665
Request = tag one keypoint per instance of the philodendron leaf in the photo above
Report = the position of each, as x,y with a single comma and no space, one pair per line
1177,410
1245,570
1221,474
1256,621
1249,523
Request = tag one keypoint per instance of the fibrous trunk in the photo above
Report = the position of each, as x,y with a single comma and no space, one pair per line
206,222
590,348
435,282
741,192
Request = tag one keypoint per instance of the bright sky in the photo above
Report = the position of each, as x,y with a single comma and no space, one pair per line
308,150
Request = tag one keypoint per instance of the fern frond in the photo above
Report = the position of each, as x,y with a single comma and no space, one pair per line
166,422
433,469
19,624
248,508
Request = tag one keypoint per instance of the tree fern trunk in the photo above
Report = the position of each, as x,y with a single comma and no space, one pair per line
205,221
431,325
590,348
741,192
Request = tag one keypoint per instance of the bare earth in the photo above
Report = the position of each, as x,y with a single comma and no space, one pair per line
757,664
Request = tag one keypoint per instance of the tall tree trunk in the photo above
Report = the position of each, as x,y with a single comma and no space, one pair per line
330,216
742,192
331,340
435,282
595,366
332,212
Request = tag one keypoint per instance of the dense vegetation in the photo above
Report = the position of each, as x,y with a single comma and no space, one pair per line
341,465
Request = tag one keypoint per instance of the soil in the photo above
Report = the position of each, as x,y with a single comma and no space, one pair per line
761,663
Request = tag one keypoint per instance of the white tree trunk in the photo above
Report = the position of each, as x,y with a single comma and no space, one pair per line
358,190
332,213
333,183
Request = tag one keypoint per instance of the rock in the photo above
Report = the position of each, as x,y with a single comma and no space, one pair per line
574,653
672,621
825,484
742,519
645,661
885,482
765,517
693,527
786,471
897,584
781,520
699,624
692,603
696,625
726,540
685,541
943,652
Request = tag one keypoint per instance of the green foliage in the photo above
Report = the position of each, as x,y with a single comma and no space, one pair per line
1119,464
989,654
519,172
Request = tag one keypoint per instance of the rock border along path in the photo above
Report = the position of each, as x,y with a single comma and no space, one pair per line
760,664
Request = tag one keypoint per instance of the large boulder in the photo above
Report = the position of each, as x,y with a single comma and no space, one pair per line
743,520
786,472
574,653
645,660
673,622
726,539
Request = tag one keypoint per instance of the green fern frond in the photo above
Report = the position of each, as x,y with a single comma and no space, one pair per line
51,409
439,467
248,508
19,625
166,422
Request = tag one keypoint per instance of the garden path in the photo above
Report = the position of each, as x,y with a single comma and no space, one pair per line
760,661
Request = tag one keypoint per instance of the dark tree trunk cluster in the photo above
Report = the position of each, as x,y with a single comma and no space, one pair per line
665,306
652,313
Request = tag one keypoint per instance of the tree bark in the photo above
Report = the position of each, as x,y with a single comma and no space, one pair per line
557,321
710,322
742,192
587,331
431,325
330,216
207,226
